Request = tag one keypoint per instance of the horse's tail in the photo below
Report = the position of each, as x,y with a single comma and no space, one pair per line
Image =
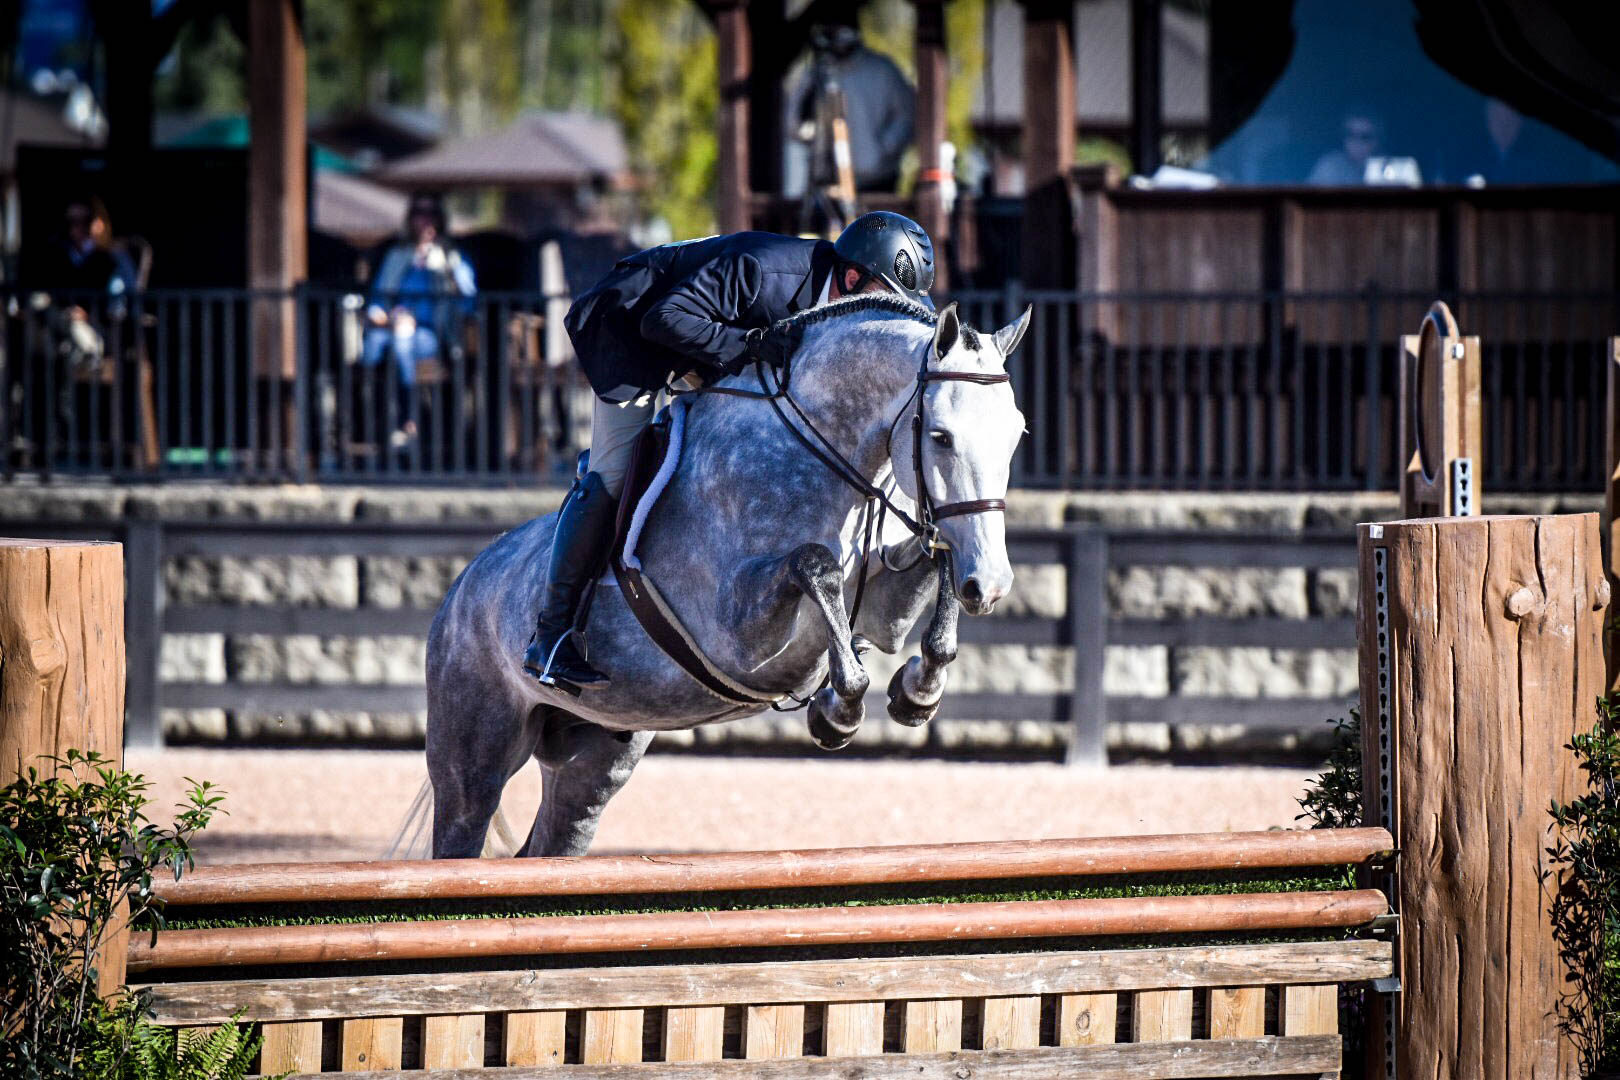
414,838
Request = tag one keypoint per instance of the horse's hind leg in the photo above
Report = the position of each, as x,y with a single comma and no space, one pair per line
837,711
917,687
474,745
582,766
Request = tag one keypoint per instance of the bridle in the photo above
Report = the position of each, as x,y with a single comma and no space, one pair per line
925,525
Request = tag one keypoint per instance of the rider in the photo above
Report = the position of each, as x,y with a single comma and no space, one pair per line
700,307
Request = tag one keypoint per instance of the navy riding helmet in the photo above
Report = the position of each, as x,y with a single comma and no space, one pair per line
892,248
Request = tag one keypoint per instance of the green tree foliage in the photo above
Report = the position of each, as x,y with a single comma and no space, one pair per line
1333,799
667,99
77,860
1583,877
367,51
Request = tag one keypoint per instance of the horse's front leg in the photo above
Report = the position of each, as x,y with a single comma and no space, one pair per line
917,687
836,711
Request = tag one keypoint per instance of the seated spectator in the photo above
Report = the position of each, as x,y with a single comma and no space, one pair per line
420,290
1347,165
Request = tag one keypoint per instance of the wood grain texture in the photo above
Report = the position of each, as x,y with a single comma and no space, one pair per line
1309,1010
694,1034
853,1028
931,1026
62,669
773,1031
754,927
1312,1056
1482,702
708,871
612,1035
536,1038
901,978
1162,1015
372,1044
1087,1019
1010,1023
294,1047
1237,1012
453,1042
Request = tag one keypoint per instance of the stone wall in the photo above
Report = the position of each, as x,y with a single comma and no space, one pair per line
1136,592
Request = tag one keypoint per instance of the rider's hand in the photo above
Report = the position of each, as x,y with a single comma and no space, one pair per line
765,347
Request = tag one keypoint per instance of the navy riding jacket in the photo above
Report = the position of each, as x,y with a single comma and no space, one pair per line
668,310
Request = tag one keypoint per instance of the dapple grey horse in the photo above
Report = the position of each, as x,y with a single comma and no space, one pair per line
755,544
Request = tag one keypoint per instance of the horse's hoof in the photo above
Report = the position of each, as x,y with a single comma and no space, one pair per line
827,732
902,710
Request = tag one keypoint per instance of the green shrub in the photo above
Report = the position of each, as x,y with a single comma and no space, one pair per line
77,859
1333,799
1583,877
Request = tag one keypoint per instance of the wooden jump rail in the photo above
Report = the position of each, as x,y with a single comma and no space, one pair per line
810,868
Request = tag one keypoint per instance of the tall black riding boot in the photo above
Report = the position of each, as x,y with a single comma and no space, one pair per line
579,547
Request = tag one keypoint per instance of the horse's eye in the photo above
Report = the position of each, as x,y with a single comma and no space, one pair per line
941,438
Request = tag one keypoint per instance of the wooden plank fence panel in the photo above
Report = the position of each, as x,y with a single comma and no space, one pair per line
536,1038
453,1042
853,1028
1162,1015
1310,1010
773,1031
1074,973
1087,1019
372,1044
1271,1056
292,1047
932,1026
1237,1012
694,1034
612,1035
1010,1023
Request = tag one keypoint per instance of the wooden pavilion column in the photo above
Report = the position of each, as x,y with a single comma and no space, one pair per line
736,66
1049,104
1147,86
278,249
931,101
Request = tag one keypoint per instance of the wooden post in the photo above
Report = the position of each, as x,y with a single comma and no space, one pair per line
1049,102
1440,433
735,53
1481,656
929,44
278,248
1611,505
62,666
1147,86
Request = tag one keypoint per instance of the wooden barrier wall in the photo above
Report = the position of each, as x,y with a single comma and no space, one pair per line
939,1001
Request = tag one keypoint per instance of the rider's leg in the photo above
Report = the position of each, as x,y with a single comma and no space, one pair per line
583,532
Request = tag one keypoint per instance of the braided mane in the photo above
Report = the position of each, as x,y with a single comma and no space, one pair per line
854,305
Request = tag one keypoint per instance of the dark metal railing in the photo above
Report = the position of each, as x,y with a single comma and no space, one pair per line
1240,390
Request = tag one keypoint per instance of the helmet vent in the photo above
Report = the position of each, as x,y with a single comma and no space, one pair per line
904,271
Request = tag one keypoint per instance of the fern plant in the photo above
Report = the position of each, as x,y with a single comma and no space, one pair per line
226,1053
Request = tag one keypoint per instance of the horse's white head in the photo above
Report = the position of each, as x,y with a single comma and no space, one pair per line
970,431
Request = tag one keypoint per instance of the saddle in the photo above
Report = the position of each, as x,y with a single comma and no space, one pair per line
652,463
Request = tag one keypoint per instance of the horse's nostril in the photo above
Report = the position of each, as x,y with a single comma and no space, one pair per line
971,591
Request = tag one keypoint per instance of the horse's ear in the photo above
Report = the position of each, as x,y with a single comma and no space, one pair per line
947,331
1008,337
